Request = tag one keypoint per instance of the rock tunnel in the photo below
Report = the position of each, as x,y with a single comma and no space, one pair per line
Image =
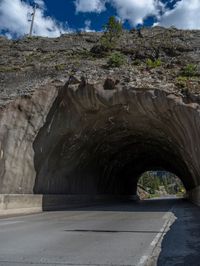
99,139
85,139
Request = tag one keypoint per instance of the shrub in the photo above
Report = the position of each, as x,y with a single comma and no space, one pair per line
153,63
106,44
181,81
116,59
113,28
189,71
136,62
99,50
60,67
9,68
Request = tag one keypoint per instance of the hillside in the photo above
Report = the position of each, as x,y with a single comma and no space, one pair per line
29,62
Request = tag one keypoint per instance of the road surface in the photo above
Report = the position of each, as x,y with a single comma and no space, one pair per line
113,234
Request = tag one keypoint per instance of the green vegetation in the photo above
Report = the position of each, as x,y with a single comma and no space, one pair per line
189,78
181,81
189,71
116,59
60,67
85,55
9,68
153,63
112,31
48,57
136,62
33,57
156,183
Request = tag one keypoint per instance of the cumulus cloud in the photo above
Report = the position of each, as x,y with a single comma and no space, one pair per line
90,5
184,15
135,11
132,10
40,3
15,16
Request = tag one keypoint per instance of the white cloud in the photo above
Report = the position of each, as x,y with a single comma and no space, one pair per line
14,19
40,3
132,10
185,15
135,11
90,5
87,26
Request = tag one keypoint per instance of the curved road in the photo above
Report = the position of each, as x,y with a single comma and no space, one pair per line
112,234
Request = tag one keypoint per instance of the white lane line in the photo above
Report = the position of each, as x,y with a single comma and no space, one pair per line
144,259
158,236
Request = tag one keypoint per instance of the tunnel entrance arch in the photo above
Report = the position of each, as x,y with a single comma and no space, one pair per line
93,141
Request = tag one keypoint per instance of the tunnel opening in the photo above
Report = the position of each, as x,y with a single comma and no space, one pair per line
160,184
93,145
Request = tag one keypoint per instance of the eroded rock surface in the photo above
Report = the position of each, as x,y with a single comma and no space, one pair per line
104,140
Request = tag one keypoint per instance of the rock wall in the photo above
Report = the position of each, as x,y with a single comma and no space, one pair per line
20,122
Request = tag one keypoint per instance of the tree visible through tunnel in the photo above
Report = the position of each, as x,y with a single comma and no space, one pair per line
153,184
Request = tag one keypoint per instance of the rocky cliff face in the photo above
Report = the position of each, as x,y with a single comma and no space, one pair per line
70,124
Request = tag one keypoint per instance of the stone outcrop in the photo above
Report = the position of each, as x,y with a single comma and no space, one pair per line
70,125
20,121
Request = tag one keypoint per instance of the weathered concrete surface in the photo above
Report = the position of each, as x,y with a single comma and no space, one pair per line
83,128
20,203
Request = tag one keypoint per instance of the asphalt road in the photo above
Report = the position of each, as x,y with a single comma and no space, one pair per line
117,234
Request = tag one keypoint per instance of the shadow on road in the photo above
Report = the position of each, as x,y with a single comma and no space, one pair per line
152,205
181,244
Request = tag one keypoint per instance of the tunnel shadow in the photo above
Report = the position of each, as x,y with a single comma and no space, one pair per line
109,205
181,244
150,205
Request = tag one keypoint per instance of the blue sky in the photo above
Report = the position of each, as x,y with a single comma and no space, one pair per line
54,17
77,20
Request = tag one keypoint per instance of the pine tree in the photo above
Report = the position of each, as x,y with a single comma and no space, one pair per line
112,31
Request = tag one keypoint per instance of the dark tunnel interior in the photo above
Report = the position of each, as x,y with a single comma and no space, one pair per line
108,165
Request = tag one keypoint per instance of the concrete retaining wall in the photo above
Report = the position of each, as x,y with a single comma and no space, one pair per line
15,203
194,195
28,203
